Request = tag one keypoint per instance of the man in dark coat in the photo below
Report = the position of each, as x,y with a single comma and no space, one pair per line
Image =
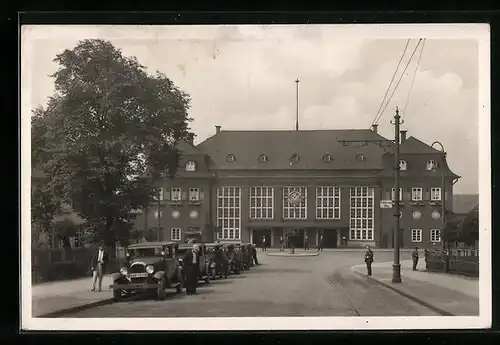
320,243
369,260
98,263
414,257
306,242
254,254
191,269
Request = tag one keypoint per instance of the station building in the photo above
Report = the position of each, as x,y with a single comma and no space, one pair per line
250,185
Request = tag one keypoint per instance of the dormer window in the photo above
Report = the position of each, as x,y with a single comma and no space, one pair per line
360,157
190,166
431,165
327,158
403,166
295,158
262,158
231,157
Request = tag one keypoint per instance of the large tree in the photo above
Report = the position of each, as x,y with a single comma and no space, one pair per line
107,134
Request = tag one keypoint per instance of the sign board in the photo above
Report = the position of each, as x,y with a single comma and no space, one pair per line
386,203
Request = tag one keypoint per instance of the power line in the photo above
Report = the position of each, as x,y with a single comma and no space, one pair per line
413,80
399,81
392,79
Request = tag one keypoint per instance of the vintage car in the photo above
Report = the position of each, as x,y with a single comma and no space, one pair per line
148,267
217,261
204,272
247,255
235,256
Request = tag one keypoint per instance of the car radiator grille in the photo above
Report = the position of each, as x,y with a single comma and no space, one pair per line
138,268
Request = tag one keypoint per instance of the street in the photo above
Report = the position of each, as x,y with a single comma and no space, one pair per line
323,285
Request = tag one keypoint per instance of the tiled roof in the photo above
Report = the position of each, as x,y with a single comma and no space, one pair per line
187,149
280,146
413,145
464,203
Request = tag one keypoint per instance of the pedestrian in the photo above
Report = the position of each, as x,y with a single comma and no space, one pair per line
369,260
191,269
254,254
306,243
99,261
281,244
320,243
414,257
264,243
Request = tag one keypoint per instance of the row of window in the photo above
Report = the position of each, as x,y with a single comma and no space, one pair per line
434,235
177,194
431,165
417,194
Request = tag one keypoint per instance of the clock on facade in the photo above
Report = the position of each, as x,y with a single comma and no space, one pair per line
417,215
294,197
193,214
436,215
176,214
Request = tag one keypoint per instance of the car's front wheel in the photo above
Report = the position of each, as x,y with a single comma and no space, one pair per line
160,291
117,295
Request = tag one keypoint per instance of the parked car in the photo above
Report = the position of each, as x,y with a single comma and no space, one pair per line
202,263
247,255
150,266
235,258
217,261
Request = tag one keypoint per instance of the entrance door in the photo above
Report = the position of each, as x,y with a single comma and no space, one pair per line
295,237
258,237
330,238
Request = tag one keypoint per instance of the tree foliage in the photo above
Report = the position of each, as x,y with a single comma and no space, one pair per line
107,134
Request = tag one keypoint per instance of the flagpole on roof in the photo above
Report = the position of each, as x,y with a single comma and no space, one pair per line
297,113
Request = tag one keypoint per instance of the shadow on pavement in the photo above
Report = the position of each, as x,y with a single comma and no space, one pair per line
221,282
284,270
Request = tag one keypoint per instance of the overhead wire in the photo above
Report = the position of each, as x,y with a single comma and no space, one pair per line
413,80
392,79
399,81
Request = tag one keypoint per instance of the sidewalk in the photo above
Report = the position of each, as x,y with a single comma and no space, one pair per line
53,297
445,293
298,252
339,250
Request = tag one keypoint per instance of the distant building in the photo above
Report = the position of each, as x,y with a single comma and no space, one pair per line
247,185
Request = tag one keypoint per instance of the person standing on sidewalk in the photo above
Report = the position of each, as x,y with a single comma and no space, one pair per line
191,268
99,261
320,243
254,254
263,243
369,260
281,244
306,243
414,257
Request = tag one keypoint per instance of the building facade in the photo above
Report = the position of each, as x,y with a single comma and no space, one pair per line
305,185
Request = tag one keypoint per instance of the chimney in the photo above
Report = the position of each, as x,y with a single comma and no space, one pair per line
375,128
217,129
403,135
190,138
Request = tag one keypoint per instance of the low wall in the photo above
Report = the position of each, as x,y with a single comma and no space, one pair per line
58,264
464,262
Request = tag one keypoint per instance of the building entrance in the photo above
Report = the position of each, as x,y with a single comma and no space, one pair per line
295,238
329,238
259,235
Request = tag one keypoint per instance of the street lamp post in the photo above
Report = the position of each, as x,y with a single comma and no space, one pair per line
443,199
396,267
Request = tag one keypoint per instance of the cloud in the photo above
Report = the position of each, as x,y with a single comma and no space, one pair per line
244,78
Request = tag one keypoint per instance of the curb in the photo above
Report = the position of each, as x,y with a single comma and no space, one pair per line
293,255
407,295
61,312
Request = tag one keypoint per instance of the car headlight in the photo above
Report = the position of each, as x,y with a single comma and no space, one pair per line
124,271
212,265
180,260
150,269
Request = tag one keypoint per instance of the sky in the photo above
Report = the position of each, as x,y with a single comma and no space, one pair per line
243,77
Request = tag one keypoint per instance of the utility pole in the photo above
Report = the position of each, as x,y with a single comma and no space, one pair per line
297,113
396,267
394,144
445,244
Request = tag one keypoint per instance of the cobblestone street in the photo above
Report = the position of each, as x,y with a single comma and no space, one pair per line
323,285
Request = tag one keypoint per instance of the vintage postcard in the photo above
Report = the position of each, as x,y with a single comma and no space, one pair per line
272,177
